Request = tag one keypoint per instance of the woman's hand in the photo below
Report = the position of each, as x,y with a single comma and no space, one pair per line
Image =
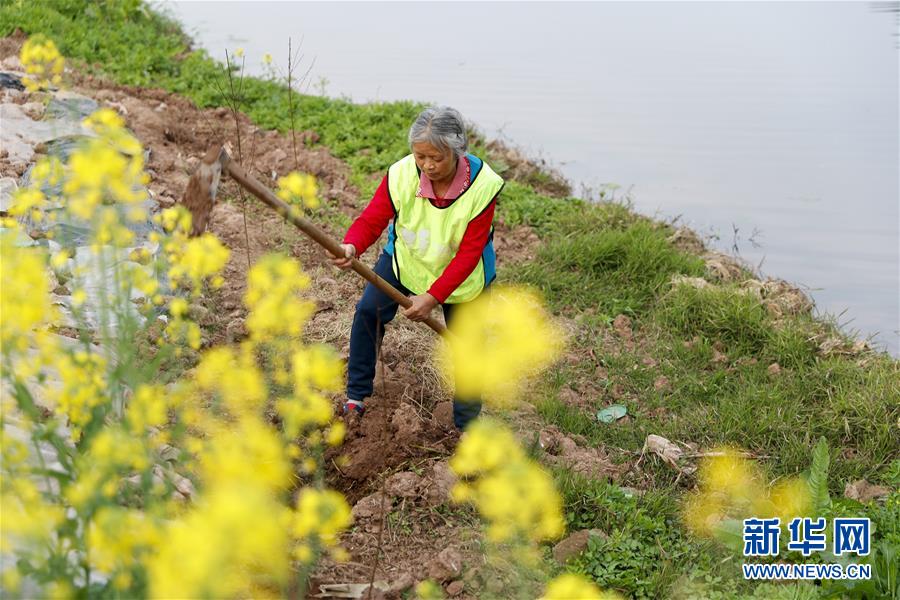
421,307
344,262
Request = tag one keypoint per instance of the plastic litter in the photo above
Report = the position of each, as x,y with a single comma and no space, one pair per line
611,413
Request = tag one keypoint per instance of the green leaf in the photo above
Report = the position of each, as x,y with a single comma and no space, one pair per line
818,478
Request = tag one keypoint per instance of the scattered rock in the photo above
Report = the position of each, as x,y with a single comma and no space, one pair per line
34,110
833,345
570,397
403,582
718,356
236,330
199,313
446,565
574,544
440,483
697,282
404,484
583,460
455,588
371,506
686,240
443,414
722,267
549,441
8,187
779,297
13,63
863,491
774,369
622,326
406,421
277,155
378,590
671,453
661,383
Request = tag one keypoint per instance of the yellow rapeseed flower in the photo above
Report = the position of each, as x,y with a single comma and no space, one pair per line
83,376
119,536
249,453
298,189
42,62
321,516
728,472
496,341
28,520
429,590
570,586
234,537
276,309
512,493
147,408
731,488
25,302
175,220
235,377
317,367
787,499
200,259
47,171
113,453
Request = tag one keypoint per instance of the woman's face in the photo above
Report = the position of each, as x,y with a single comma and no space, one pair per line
438,165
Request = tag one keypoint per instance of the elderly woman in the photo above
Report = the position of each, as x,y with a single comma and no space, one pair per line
440,203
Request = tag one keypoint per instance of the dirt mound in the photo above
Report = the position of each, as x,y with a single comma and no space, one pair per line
779,297
563,450
391,434
724,268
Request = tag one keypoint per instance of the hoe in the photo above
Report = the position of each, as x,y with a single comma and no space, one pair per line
201,194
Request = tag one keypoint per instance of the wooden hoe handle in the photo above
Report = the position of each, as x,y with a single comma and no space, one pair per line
249,183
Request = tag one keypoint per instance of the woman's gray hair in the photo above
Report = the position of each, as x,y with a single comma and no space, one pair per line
442,127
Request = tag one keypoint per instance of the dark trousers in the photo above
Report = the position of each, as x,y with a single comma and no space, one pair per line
373,311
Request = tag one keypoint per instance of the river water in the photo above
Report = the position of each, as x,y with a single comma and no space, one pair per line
773,126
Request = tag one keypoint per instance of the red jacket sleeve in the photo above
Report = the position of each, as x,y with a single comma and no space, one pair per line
371,222
470,248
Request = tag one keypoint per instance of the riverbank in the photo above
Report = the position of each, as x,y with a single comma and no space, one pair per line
695,348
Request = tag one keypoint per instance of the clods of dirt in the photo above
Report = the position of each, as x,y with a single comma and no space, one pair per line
563,450
389,435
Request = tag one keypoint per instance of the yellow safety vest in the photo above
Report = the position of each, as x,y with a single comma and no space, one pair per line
426,238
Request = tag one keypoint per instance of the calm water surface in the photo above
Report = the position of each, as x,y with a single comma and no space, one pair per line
779,120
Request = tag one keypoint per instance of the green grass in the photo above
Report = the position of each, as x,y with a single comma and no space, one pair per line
612,270
742,404
646,553
519,204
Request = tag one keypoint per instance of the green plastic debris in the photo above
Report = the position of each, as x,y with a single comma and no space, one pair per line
612,413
